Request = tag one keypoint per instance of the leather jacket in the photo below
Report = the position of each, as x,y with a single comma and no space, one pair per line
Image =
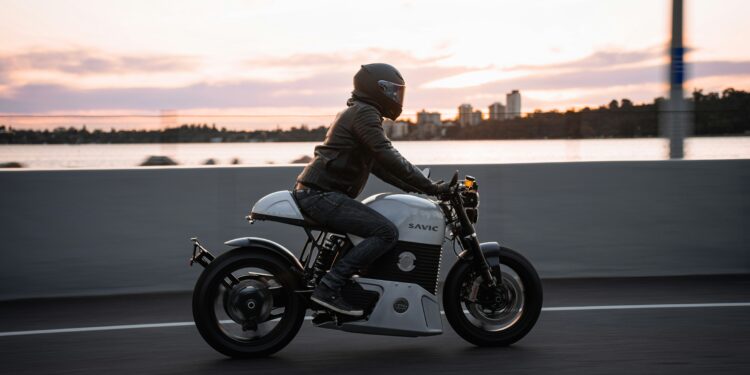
356,145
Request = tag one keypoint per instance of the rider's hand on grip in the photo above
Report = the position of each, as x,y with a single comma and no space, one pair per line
441,189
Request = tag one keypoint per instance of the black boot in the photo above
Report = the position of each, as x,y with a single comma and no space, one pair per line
332,300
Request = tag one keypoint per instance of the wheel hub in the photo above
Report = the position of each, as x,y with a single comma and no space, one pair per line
495,308
493,298
248,303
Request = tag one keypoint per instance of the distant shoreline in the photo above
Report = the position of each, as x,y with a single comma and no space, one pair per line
65,156
393,140
714,114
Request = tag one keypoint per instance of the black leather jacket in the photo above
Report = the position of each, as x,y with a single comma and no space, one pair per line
356,145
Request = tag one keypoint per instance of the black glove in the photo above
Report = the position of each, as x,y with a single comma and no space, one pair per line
441,188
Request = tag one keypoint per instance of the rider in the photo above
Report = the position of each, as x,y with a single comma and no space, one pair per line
356,145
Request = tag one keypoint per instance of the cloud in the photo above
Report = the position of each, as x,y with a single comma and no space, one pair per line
574,79
719,68
416,70
330,87
42,98
88,62
602,59
345,59
328,82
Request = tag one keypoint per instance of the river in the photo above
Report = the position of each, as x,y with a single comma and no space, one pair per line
419,152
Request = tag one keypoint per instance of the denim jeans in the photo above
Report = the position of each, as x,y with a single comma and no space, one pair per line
338,213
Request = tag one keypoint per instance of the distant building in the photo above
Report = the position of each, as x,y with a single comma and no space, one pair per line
464,113
513,102
387,127
497,111
395,129
424,117
428,125
467,116
400,129
445,126
476,117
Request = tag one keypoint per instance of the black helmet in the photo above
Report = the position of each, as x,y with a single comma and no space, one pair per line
382,86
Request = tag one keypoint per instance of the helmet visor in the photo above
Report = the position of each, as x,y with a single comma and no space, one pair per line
393,91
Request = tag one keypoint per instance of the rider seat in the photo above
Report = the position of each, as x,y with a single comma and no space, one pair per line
282,207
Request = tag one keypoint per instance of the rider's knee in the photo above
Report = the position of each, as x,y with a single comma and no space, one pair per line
388,233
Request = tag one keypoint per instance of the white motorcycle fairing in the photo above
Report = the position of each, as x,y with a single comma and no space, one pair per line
405,278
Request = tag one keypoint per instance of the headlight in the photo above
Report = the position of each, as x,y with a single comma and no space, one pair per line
470,198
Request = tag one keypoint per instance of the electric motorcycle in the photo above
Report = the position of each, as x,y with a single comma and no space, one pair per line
252,300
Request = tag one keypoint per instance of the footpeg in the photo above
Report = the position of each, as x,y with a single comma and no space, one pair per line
324,317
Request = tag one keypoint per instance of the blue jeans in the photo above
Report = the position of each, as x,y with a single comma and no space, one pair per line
338,213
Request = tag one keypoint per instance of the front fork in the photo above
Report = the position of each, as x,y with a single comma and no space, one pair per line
470,242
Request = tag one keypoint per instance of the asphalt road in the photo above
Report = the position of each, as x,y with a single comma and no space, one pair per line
647,339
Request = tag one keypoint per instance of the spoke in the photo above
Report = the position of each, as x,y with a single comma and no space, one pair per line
275,316
234,283
261,331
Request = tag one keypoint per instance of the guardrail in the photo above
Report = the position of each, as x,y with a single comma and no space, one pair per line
87,232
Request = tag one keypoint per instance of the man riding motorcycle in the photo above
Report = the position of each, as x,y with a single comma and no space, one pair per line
354,147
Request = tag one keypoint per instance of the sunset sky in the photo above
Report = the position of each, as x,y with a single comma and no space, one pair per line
297,58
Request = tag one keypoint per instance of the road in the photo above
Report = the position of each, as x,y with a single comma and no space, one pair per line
650,325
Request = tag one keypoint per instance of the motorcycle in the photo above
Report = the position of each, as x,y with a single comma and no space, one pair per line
252,300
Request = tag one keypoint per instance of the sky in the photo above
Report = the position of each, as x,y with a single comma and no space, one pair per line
297,58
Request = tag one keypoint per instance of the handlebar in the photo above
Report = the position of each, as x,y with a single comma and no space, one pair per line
454,179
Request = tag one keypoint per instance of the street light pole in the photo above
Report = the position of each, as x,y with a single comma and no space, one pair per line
676,122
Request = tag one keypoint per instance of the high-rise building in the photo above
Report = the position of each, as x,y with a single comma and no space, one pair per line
464,114
497,111
476,117
468,116
513,102
424,118
428,124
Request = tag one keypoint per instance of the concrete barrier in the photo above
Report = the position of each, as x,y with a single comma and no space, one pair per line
87,232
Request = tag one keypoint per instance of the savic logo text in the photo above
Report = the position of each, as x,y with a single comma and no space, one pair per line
433,228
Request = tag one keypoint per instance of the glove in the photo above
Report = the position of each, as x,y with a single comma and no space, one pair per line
441,188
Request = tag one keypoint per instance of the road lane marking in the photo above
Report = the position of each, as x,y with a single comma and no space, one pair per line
641,307
561,308
93,329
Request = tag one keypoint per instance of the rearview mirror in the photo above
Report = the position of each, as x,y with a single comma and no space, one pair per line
426,172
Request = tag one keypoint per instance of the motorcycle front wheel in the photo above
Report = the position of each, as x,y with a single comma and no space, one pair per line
499,316
245,305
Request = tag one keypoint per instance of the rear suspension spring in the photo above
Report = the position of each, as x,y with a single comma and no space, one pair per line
326,255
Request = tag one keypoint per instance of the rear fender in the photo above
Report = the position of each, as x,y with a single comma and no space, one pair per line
262,244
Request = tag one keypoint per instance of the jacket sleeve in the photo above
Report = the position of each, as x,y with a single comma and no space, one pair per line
388,178
368,129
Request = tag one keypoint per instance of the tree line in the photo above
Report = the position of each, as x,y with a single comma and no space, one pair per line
715,114
725,113
187,133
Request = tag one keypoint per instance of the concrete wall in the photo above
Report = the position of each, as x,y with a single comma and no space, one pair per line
124,231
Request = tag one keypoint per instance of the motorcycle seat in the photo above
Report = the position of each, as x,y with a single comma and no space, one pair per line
306,222
282,207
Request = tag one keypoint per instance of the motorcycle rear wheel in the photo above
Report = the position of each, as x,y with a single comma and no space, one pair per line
493,317
213,311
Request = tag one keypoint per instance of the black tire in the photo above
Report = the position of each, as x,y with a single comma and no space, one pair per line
532,294
206,293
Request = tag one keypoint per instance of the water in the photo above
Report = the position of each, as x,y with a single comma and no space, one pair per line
423,152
